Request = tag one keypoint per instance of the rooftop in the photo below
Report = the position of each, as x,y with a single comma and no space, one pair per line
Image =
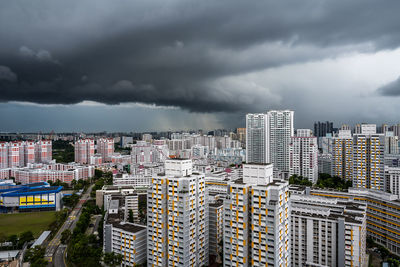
117,219
258,163
216,204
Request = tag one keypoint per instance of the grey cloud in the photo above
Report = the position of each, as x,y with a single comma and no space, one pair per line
7,74
41,55
390,89
177,53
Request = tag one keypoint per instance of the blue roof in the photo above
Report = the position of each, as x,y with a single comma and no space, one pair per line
30,190
14,187
11,188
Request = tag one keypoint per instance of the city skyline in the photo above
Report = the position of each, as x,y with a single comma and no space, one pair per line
134,65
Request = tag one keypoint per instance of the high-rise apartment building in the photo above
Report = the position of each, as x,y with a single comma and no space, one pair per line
15,154
257,138
322,128
396,130
342,157
345,127
3,155
280,132
29,152
105,147
177,217
304,155
215,227
384,128
392,180
84,150
19,153
326,144
241,135
391,143
357,128
256,219
43,151
327,232
147,137
325,163
368,158
122,237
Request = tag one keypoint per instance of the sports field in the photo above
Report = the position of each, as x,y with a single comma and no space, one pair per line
14,224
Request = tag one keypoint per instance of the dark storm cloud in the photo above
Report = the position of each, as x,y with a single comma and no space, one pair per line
6,74
390,89
172,52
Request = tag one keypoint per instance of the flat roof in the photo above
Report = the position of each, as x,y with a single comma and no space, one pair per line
257,163
114,204
5,255
217,203
41,238
117,221
27,191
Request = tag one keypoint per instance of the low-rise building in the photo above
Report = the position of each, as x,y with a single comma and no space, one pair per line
30,197
124,238
136,181
34,173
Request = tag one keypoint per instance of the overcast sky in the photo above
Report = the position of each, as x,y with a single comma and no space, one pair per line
125,65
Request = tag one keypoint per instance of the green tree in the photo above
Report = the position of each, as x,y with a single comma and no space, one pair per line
112,259
299,180
65,236
3,238
25,237
383,251
98,174
35,256
13,239
82,252
393,262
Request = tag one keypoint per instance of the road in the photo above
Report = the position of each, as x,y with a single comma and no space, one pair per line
54,252
58,257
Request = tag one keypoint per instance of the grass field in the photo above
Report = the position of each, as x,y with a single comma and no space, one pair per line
14,224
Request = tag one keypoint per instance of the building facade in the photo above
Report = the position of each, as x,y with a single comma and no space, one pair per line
124,238
256,220
322,128
215,226
280,132
304,155
177,217
368,158
105,147
392,179
257,138
17,154
383,213
342,158
84,150
327,232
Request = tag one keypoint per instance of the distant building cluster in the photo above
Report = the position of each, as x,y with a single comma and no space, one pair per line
85,151
21,153
224,197
53,172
